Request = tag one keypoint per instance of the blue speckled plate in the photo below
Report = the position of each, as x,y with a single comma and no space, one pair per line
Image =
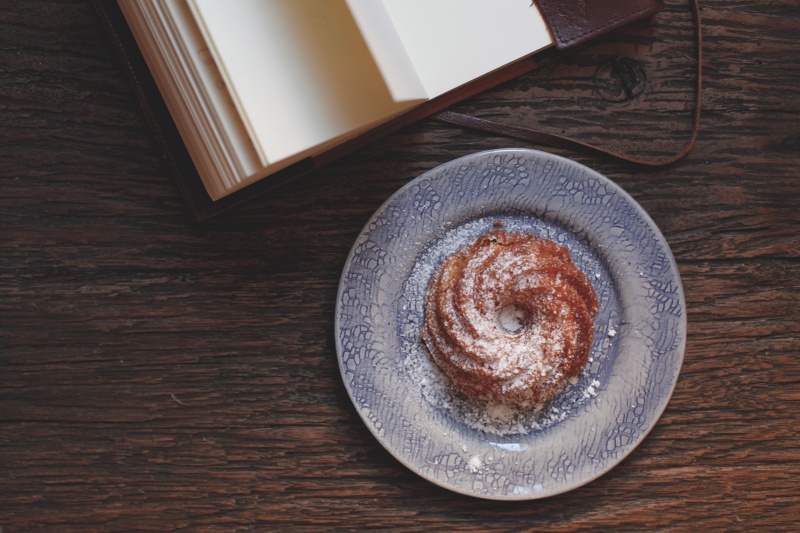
480,450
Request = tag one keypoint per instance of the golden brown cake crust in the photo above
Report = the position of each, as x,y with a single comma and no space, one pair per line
468,297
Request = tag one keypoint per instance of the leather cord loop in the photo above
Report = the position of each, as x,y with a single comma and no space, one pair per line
551,139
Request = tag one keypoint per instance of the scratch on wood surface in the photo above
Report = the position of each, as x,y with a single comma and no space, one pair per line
176,399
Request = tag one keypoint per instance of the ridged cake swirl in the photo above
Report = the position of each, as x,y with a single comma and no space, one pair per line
470,298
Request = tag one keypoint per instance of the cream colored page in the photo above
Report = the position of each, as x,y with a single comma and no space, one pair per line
208,82
299,71
387,49
451,42
146,24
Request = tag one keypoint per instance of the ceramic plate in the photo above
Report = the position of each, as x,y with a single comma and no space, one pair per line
487,451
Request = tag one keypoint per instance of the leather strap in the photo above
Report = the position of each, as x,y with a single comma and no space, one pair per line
551,139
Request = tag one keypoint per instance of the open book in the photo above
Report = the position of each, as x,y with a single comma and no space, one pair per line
257,85
244,95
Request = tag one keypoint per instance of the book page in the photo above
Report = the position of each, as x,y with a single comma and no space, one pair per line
451,42
207,82
299,71
149,22
388,50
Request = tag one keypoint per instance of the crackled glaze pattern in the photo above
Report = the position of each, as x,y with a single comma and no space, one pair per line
639,334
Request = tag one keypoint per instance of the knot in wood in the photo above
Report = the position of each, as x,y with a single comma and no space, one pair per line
620,79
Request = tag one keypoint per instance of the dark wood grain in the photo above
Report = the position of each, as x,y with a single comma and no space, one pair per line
158,375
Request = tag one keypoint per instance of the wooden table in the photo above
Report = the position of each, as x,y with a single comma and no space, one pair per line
157,374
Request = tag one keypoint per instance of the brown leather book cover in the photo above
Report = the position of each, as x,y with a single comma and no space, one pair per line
575,22
571,23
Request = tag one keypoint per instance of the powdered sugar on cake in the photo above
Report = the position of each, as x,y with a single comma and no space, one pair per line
466,338
496,350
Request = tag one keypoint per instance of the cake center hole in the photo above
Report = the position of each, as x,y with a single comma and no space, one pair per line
513,317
